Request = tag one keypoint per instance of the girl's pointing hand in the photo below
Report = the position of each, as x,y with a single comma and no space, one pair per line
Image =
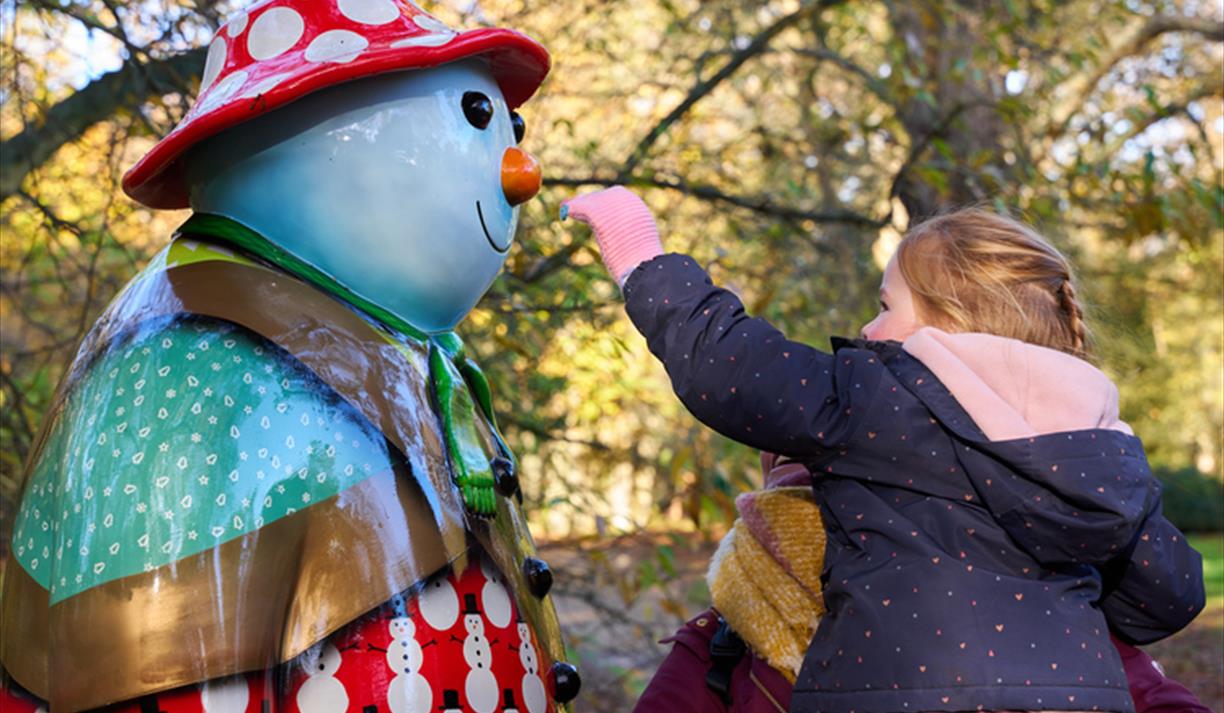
623,226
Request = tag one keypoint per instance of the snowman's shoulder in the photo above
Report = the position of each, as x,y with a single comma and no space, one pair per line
177,437
184,375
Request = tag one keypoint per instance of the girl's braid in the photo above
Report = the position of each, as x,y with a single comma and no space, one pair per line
1070,306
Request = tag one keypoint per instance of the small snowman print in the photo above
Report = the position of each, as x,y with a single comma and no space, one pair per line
439,604
508,705
409,691
450,702
225,695
322,692
481,685
534,696
494,599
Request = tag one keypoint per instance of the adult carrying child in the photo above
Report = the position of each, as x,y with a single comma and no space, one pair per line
989,520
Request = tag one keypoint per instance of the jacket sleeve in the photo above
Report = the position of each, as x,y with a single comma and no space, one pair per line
1150,689
1156,590
741,376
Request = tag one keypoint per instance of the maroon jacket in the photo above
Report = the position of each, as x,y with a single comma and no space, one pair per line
679,684
1152,690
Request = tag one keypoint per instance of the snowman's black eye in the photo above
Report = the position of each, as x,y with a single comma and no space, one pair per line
520,127
478,109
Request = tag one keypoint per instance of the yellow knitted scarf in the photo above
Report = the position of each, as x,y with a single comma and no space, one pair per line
765,576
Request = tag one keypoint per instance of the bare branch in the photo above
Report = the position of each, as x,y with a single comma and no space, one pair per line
90,20
1202,91
757,204
550,264
703,88
129,86
543,431
1139,39
872,82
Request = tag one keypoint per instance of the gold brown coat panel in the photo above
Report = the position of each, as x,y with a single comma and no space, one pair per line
263,598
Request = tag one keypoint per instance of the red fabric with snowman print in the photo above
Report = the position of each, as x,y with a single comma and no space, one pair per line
276,51
458,646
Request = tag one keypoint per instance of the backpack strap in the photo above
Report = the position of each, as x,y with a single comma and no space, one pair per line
726,650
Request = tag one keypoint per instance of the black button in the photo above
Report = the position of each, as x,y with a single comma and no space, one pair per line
566,682
505,479
539,576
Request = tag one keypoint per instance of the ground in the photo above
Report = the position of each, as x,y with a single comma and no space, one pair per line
617,597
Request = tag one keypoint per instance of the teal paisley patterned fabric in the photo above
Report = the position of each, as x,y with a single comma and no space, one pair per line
189,434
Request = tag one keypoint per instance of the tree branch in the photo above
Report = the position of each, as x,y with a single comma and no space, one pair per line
919,147
757,204
129,86
1139,39
1202,91
703,88
90,20
873,83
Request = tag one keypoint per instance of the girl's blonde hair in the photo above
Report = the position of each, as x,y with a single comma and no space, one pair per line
973,270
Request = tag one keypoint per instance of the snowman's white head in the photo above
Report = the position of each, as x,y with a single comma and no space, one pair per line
473,624
327,662
401,627
391,185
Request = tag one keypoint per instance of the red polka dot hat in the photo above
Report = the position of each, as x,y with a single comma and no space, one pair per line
276,51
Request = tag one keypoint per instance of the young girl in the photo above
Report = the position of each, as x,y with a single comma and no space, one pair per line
988,519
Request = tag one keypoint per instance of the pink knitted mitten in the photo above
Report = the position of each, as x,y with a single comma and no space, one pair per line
623,225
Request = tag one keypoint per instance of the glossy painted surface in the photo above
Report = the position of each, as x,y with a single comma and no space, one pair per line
458,639
186,435
274,52
383,184
521,176
293,439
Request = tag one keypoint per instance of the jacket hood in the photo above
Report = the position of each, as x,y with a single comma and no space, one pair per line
1013,389
1051,460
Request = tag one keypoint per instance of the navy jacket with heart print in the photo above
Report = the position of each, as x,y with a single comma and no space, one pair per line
960,573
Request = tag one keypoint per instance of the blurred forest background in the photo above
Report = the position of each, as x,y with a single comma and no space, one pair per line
787,145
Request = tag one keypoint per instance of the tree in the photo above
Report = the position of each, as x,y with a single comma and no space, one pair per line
786,144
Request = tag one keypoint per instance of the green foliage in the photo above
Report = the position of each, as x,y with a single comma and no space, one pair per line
790,178
1211,547
1192,501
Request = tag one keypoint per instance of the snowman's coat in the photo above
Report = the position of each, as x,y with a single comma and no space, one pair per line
494,599
439,604
184,436
225,695
322,692
535,698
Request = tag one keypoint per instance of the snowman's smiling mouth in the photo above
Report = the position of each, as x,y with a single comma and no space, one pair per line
488,237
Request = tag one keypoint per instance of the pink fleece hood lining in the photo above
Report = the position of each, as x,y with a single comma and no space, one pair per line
1012,389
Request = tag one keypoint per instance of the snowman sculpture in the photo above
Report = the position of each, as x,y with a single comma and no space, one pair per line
272,431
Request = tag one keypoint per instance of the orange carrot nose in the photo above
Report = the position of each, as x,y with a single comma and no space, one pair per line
520,174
